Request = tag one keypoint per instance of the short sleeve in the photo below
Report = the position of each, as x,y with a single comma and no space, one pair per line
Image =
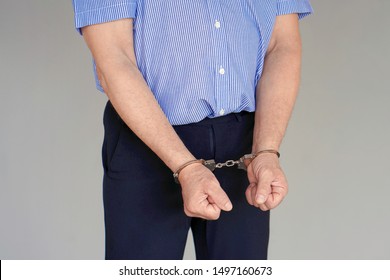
88,12
300,7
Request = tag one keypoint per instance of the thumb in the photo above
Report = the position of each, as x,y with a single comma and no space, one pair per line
220,198
263,191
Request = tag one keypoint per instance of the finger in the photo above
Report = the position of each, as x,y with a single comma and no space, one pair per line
220,198
276,197
212,212
209,211
210,217
280,187
253,195
204,210
264,207
263,189
248,193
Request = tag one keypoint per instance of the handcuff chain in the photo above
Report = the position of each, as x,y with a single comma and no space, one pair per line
228,163
210,164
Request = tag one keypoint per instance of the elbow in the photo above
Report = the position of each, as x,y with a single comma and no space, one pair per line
290,47
286,53
109,73
100,77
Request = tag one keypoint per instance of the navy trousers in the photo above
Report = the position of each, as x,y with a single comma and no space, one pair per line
143,206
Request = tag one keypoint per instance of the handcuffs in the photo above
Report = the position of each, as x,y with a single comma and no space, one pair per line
242,163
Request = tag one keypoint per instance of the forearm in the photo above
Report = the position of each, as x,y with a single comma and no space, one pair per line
275,96
137,106
111,45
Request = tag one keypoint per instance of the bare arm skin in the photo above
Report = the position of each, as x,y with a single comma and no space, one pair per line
111,45
276,94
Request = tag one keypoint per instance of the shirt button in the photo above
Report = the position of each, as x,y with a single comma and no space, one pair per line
221,71
222,112
217,24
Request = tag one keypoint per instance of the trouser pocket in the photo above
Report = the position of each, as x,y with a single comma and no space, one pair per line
113,127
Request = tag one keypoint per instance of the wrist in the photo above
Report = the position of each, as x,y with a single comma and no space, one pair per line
185,167
265,146
263,152
178,160
188,171
265,156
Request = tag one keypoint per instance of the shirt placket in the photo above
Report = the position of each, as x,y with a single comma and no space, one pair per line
221,59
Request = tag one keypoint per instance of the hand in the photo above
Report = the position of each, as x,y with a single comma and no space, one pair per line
268,185
202,195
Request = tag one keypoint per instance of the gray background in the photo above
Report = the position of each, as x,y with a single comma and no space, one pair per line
335,152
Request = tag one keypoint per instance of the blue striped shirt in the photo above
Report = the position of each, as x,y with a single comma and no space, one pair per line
200,58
